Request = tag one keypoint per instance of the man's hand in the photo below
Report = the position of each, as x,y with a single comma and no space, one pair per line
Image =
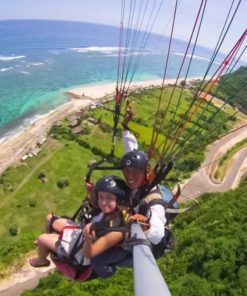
89,186
91,195
129,114
139,218
143,220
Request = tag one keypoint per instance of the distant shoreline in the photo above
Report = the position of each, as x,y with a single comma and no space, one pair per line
17,145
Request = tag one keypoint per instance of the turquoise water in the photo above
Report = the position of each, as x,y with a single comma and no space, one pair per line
39,60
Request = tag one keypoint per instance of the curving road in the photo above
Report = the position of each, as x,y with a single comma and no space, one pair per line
201,182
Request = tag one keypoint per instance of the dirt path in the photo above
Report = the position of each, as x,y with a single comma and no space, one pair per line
201,181
26,278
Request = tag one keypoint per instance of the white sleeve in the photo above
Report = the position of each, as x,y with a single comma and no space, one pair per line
157,224
129,141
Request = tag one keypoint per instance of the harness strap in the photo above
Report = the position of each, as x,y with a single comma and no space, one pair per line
156,201
77,246
134,241
53,219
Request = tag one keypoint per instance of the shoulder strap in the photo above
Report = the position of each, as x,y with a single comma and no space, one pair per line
152,196
158,201
151,199
104,226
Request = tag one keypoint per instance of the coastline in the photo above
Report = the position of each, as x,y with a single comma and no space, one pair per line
17,145
14,147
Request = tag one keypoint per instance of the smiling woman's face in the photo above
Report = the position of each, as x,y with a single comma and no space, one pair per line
134,177
107,202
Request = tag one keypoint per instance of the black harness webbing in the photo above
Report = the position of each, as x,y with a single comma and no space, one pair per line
134,241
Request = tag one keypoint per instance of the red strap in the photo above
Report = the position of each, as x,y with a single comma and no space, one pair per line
68,227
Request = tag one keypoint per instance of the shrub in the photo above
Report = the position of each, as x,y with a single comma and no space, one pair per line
42,177
182,83
13,230
106,128
32,203
7,187
62,183
83,144
86,130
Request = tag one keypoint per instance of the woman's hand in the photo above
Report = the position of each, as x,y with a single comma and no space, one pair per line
87,232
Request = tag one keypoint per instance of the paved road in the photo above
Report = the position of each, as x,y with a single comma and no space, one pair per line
200,182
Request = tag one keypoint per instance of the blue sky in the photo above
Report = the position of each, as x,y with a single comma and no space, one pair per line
108,12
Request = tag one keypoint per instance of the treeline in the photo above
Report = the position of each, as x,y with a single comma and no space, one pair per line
210,256
233,88
211,253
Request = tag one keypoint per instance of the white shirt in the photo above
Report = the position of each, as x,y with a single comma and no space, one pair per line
157,212
129,141
157,224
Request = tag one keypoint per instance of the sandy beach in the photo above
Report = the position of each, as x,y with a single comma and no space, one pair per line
16,146
13,148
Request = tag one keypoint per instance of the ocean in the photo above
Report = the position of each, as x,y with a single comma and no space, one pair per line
40,60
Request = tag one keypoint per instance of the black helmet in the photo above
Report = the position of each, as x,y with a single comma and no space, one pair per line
113,184
135,158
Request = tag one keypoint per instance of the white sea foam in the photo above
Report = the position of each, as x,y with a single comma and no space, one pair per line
122,54
49,61
128,53
102,49
10,58
153,50
3,139
25,72
112,51
27,122
31,120
55,52
36,64
6,69
195,57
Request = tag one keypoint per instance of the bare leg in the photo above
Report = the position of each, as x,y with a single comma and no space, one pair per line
46,243
48,223
57,224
